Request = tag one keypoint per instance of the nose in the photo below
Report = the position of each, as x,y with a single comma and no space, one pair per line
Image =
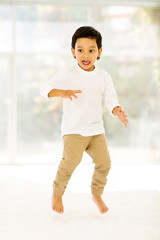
85,55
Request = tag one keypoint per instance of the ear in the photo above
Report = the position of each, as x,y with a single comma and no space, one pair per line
73,52
99,52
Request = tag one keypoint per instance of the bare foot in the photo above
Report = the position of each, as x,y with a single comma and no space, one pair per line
100,204
57,204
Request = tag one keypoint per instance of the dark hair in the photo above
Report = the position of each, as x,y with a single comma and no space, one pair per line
87,32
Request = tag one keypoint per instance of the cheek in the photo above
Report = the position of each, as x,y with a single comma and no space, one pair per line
95,56
78,55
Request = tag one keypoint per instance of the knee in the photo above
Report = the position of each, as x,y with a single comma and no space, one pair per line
67,165
104,165
107,164
103,168
102,161
106,169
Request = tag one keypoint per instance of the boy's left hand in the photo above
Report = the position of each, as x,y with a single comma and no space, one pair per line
122,116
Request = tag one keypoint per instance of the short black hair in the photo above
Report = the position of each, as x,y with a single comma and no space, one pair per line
87,32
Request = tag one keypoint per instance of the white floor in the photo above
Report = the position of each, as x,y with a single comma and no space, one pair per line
132,194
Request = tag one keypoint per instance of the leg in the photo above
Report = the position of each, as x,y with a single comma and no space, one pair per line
98,150
74,146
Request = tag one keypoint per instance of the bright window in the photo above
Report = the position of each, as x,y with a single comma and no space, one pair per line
35,42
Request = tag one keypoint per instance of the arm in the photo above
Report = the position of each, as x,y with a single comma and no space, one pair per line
110,96
63,93
117,111
53,88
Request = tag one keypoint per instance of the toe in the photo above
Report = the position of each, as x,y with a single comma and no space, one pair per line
58,210
55,209
61,210
105,209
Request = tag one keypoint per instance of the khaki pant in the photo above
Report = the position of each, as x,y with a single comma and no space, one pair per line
74,146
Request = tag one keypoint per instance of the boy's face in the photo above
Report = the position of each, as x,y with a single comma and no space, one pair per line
86,53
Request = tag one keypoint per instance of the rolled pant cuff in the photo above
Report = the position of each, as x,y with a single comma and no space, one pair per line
57,192
96,192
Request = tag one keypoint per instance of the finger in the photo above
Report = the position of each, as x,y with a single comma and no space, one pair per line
74,95
77,91
126,122
123,119
122,113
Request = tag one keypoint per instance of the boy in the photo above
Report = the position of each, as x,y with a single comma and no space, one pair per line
82,87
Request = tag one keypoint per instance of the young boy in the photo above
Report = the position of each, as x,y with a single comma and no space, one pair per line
83,86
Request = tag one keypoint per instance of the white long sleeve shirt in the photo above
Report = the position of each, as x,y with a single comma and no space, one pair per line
83,115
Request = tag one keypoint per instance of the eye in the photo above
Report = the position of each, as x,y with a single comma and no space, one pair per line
92,50
80,50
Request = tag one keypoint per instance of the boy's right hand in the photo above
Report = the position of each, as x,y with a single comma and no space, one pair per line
70,93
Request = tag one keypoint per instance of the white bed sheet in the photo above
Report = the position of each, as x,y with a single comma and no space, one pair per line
25,208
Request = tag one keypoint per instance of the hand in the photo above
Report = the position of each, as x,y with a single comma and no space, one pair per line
122,117
70,93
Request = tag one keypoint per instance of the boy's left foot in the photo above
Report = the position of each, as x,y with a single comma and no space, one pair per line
100,204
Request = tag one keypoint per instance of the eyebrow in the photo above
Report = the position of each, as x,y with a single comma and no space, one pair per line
89,47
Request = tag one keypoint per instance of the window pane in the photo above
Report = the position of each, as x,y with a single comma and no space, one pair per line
5,29
133,30
4,100
131,54
137,82
39,122
47,28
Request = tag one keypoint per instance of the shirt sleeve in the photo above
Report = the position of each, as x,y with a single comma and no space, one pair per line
110,95
55,82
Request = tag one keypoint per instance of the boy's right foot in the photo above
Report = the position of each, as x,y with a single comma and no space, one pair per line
100,204
57,204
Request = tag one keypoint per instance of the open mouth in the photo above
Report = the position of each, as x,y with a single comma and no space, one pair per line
86,62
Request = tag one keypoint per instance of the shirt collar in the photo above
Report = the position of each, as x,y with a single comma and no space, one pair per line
85,73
